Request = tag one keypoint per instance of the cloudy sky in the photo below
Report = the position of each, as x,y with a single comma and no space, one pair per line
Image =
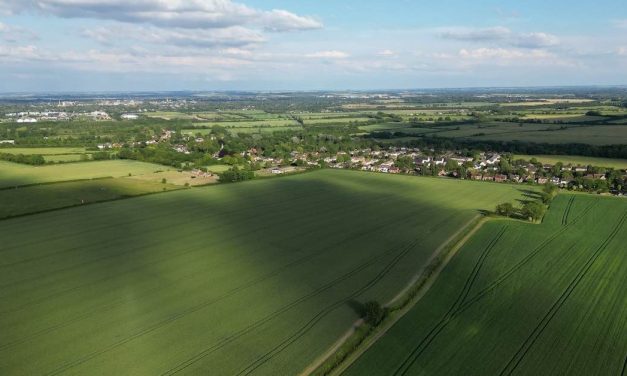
135,45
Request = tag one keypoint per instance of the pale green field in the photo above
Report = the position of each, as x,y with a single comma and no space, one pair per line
44,151
577,160
13,174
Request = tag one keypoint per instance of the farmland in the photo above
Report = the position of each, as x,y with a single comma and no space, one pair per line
37,198
12,174
521,299
577,160
271,271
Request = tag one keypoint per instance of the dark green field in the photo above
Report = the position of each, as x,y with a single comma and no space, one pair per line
522,299
258,277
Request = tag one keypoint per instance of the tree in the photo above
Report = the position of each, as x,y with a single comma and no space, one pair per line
533,210
505,209
373,313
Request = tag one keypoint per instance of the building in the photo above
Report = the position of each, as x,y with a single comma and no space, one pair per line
129,116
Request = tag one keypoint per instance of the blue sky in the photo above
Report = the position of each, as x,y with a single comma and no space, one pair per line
121,45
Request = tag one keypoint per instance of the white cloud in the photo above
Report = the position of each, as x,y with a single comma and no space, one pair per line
387,53
536,40
622,51
234,36
622,24
195,14
12,34
499,35
475,34
332,54
503,53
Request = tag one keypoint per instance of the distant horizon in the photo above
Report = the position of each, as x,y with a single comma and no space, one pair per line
347,90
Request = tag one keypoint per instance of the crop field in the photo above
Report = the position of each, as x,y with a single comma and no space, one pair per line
545,133
272,271
577,160
249,123
44,151
522,299
37,198
13,174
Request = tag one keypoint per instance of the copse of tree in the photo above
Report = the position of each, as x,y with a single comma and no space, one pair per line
533,210
549,191
373,313
505,209
235,174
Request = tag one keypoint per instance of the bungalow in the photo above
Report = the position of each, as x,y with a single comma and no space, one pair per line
542,180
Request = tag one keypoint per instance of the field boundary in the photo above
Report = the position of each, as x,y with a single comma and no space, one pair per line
416,289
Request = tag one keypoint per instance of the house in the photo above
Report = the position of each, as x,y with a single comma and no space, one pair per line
439,162
385,167
27,120
555,180
542,180
394,170
500,178
11,142
129,116
277,171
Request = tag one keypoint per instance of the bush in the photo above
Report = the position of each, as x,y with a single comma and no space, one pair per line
373,313
505,209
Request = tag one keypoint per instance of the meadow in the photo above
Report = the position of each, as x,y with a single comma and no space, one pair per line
38,198
577,160
521,299
273,271
13,174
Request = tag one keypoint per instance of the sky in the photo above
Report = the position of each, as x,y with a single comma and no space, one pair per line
211,45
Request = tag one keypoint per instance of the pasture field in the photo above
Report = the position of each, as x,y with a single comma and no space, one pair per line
521,299
45,151
37,198
67,157
577,160
170,115
249,123
179,178
271,270
13,174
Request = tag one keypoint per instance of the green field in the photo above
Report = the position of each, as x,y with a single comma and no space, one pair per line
38,198
45,151
542,133
577,160
13,174
522,299
271,271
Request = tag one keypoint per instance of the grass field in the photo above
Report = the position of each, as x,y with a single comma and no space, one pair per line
577,160
542,133
522,299
39,198
45,151
271,270
13,174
